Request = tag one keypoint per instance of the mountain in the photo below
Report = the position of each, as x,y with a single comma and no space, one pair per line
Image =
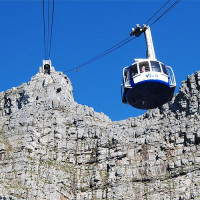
56,149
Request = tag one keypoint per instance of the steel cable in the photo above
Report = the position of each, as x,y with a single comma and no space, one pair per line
166,11
48,27
101,54
52,17
125,41
44,31
157,12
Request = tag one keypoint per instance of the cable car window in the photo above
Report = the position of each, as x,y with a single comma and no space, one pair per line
126,76
133,70
155,66
144,67
164,69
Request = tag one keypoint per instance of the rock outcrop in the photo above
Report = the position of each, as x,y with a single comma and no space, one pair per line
56,149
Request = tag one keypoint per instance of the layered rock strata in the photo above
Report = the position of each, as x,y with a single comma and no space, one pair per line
56,149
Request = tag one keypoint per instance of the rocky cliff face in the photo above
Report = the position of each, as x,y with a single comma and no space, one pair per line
55,149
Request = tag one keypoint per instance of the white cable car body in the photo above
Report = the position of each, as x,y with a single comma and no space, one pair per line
147,83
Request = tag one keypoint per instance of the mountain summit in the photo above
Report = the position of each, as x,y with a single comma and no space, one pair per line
56,149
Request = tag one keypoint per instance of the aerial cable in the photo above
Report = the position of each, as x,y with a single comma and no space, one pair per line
48,27
113,49
166,11
44,31
51,28
116,46
157,12
100,55
125,41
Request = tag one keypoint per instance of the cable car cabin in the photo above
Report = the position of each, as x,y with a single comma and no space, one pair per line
147,84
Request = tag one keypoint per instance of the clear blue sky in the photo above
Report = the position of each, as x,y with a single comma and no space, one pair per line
82,29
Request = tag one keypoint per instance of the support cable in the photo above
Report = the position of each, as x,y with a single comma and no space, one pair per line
126,40
48,27
101,54
166,11
157,12
108,51
44,31
52,17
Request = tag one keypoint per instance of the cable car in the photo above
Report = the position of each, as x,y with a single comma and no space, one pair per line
147,83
